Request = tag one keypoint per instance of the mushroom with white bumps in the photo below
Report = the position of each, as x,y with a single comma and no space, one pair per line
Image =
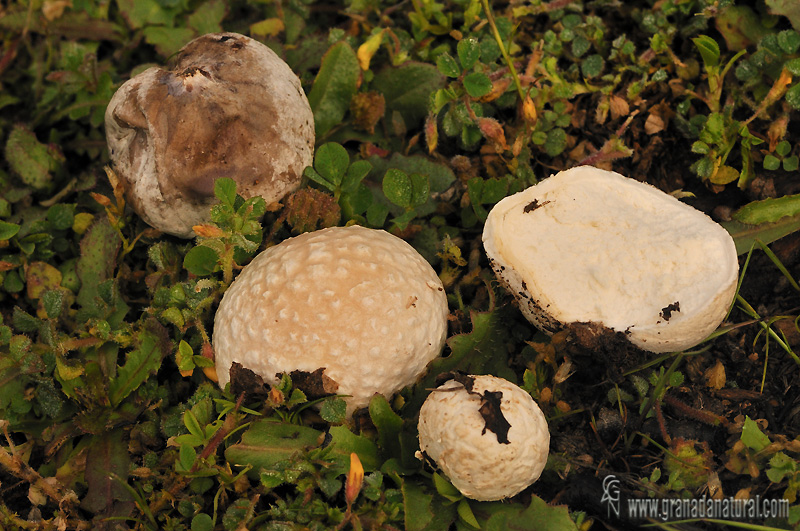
359,303
230,107
486,434
589,245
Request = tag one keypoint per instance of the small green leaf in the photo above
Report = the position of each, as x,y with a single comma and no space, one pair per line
447,65
334,87
52,301
186,457
207,18
387,422
184,356
139,365
752,436
783,148
791,163
466,514
709,50
108,464
701,148
61,216
33,161
355,174
780,466
789,41
398,187
8,230
202,522
331,162
745,235
407,89
445,488
793,96
580,45
201,260
469,51
556,142
771,162
333,411
166,40
192,424
23,321
312,175
376,215
592,66
225,190
768,210
477,84
420,189
793,66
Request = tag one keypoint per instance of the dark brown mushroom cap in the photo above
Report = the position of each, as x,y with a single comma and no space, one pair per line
229,107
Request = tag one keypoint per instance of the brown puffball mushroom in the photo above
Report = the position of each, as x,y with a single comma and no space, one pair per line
229,107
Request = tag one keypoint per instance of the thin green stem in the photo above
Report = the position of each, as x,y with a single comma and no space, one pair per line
490,17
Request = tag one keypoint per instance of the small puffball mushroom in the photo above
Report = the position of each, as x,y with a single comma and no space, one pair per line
486,455
359,303
589,245
229,107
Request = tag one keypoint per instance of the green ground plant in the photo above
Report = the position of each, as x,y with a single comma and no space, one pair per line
427,113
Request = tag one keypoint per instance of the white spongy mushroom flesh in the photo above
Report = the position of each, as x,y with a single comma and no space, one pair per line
358,302
452,432
589,245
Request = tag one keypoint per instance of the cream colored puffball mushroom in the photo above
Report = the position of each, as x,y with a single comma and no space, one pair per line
229,107
358,302
589,245
482,464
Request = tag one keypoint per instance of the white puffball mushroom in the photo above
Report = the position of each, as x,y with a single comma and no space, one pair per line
589,245
455,433
229,107
360,303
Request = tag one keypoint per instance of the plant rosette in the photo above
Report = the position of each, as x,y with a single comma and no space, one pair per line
589,245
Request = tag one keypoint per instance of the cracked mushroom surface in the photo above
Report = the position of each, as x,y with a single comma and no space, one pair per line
589,245
486,434
228,107
359,303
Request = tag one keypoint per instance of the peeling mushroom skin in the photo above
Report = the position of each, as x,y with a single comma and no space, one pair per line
336,299
603,248
229,107
452,432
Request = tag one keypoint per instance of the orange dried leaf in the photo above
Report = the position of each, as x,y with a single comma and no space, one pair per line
355,477
715,376
493,131
529,113
208,231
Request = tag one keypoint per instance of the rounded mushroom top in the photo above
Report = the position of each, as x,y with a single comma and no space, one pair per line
486,434
229,107
359,303
591,245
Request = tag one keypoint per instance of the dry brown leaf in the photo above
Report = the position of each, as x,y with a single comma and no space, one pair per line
654,124
493,131
777,130
715,376
618,107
